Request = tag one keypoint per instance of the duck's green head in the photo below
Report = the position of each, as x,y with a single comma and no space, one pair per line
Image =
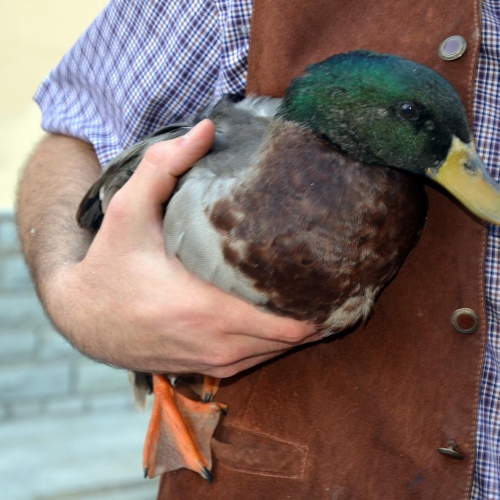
384,110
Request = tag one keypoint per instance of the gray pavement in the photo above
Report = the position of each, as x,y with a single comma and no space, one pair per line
68,426
97,455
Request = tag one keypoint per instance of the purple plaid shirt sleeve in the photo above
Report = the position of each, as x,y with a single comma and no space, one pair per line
142,65
487,130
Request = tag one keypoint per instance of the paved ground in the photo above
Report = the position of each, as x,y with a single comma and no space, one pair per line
68,426
94,456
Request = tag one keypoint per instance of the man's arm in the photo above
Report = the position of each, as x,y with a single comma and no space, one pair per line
119,298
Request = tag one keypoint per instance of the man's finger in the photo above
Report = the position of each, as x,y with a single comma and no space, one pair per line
139,204
243,318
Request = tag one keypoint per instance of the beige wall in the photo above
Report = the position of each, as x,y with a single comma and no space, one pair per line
34,35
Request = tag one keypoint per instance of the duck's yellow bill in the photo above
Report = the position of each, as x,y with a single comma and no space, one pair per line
464,175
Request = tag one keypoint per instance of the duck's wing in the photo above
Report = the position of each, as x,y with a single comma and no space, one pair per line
117,172
228,118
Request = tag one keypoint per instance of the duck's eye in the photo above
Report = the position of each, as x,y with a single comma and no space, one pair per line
408,111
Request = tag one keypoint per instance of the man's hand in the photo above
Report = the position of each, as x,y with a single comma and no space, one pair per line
124,301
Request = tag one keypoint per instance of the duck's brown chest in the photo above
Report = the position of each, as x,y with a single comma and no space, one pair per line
319,234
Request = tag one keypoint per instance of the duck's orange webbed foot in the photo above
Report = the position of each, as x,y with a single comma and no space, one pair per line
179,432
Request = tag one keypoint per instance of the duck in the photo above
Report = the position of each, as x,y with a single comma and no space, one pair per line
306,206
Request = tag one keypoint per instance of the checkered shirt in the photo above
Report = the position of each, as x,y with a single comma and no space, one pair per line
487,133
142,65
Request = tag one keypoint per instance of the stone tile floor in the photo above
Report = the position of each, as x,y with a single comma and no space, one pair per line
84,457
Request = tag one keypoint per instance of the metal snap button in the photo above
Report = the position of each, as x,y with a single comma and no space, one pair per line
451,451
465,320
452,48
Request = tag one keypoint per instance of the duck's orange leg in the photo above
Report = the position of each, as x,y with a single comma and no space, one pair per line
179,432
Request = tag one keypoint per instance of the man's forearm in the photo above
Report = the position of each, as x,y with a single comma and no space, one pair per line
55,179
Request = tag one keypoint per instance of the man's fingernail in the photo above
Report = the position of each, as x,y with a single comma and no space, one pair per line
192,132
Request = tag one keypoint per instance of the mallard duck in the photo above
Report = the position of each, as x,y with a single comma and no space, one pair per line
306,206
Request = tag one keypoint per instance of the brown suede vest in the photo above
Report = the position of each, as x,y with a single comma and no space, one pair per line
362,416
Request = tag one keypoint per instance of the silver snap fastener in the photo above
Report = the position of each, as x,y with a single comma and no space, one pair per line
451,451
465,320
452,48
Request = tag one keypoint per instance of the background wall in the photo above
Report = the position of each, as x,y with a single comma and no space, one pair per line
68,426
34,35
